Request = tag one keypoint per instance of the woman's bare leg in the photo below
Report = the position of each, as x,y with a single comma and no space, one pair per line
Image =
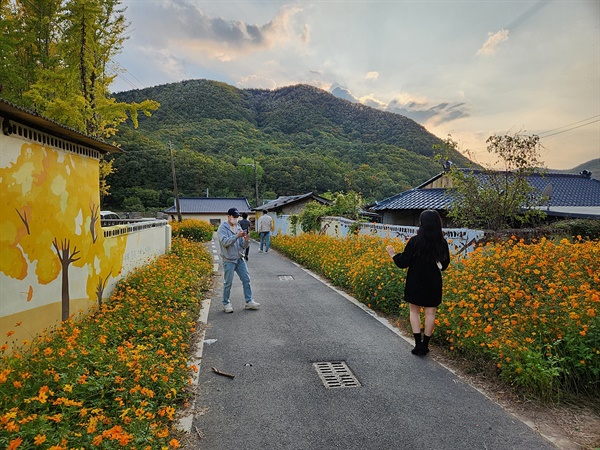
415,318
429,320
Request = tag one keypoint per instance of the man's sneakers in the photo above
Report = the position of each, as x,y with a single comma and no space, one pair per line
249,305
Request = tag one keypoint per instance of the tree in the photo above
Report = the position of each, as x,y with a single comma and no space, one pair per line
497,199
27,44
75,91
346,205
58,59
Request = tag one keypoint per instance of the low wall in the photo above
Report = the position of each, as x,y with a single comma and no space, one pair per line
29,307
462,240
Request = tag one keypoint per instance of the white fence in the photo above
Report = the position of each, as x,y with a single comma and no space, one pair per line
462,240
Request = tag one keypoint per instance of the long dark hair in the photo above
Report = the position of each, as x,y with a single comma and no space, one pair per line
430,242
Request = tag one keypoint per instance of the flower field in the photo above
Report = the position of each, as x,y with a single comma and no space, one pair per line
116,378
531,310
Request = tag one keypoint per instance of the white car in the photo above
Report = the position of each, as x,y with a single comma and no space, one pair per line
109,215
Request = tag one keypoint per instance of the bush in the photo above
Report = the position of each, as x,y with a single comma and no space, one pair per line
192,229
586,228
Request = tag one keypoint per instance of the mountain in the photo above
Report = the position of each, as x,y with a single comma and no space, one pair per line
302,138
593,165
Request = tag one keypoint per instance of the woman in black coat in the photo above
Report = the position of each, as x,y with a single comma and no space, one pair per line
425,255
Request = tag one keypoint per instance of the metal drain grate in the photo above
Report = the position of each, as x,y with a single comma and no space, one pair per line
285,277
336,375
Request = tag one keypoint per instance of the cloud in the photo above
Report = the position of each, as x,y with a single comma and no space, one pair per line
414,107
372,75
342,92
422,111
256,82
223,39
493,41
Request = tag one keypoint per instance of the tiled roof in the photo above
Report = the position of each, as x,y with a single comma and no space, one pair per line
568,190
288,199
208,205
417,199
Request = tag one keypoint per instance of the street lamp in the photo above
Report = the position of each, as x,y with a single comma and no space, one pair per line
255,179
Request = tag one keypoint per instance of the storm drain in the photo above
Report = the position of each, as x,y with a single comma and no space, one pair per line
336,375
285,277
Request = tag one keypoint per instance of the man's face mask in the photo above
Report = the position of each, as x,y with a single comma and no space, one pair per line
233,220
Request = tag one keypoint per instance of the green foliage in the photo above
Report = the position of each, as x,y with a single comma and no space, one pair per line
347,205
498,199
294,220
302,138
194,230
133,204
310,217
586,228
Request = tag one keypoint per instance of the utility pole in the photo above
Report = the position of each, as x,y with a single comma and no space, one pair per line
175,191
255,179
256,183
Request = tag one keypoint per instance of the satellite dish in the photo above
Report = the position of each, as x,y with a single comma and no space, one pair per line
547,193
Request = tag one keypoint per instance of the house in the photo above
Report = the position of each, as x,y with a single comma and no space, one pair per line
291,204
558,195
210,209
56,257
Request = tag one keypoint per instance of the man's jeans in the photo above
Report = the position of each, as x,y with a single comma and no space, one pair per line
242,270
265,239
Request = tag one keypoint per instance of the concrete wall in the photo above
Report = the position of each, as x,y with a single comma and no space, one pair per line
461,240
56,260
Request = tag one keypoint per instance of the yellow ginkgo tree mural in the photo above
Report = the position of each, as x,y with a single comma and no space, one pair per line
50,223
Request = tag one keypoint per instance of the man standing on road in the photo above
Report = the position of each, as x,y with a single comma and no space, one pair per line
234,241
264,226
245,224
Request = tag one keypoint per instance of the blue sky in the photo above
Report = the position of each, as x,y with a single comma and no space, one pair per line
465,68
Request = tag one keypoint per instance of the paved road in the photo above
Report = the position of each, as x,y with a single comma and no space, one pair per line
278,401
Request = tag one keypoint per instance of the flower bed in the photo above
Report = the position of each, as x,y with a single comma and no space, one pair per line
116,378
530,309
192,229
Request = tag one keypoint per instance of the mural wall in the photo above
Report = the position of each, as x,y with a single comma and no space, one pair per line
55,260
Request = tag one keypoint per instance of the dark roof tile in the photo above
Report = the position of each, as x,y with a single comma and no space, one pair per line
208,205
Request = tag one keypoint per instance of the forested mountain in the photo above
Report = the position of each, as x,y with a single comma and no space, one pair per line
302,138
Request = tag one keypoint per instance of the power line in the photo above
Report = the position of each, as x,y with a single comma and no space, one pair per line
569,129
568,125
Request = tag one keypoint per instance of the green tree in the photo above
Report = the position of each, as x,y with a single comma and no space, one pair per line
347,205
310,217
27,44
75,91
497,199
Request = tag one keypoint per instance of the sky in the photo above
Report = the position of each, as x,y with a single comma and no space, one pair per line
465,69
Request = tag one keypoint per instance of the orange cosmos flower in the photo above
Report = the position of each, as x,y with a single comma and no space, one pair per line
14,444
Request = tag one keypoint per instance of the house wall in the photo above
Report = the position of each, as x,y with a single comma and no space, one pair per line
445,181
409,218
296,207
214,218
55,259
